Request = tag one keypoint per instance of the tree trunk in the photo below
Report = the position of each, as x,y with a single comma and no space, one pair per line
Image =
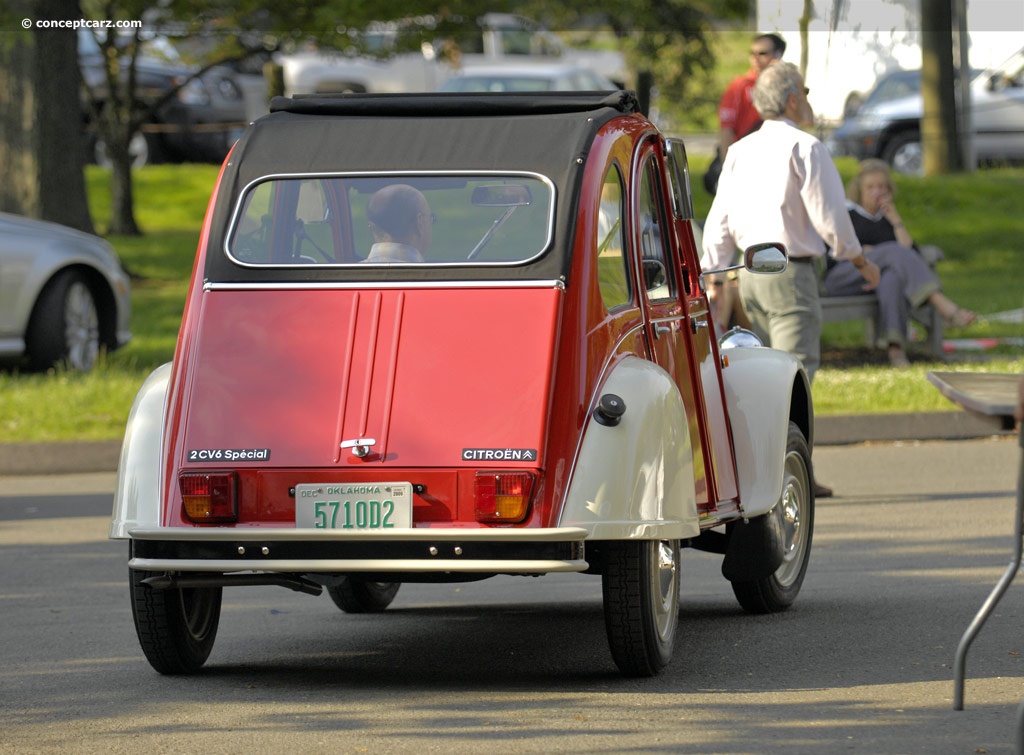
114,126
122,194
644,88
62,196
116,121
940,140
16,143
41,146
805,24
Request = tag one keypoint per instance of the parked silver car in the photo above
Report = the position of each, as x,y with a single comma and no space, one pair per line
64,295
888,123
527,77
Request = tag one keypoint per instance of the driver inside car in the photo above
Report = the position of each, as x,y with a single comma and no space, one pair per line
401,223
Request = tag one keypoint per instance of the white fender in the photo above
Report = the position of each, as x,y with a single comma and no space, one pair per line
635,480
137,496
758,391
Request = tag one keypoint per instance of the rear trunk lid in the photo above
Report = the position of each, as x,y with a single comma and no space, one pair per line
434,377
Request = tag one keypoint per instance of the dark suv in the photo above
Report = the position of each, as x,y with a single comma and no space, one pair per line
887,124
198,124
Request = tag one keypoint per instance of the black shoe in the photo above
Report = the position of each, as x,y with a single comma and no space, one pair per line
822,491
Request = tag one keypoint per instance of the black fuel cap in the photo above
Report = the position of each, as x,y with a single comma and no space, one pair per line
610,409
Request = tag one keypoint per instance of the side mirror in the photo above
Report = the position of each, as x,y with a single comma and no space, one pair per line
766,258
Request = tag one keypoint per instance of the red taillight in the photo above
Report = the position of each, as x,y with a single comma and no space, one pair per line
209,496
502,496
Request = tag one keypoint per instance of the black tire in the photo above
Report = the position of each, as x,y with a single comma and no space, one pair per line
142,149
357,596
903,152
795,518
177,626
65,324
641,603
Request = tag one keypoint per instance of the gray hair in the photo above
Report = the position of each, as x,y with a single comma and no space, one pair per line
394,209
773,88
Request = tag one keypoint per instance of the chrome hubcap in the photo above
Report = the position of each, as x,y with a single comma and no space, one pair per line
81,327
665,587
909,159
789,513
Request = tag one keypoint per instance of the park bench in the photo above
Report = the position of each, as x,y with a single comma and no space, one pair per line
865,307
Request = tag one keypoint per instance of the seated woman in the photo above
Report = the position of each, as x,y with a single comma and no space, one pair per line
907,281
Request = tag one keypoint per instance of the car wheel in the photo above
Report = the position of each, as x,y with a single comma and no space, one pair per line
176,626
794,520
904,154
357,596
65,324
140,150
641,603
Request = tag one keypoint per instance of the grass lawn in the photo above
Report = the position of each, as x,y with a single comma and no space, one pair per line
974,218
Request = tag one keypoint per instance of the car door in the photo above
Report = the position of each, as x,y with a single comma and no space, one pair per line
662,288
702,351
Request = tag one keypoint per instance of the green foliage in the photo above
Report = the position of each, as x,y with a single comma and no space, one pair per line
680,44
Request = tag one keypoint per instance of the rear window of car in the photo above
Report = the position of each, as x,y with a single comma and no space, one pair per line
414,220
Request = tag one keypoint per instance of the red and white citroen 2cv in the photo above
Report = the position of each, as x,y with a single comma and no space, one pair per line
440,338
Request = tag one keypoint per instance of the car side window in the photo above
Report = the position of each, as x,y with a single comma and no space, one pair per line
305,238
679,179
612,271
658,276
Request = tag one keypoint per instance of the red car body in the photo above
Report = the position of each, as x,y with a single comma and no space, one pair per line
551,398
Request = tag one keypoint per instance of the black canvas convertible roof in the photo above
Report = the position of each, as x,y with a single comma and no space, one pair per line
456,104
545,133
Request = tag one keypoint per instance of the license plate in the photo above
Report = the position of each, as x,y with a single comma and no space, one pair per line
353,506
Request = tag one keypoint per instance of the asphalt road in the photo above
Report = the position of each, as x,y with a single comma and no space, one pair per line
903,557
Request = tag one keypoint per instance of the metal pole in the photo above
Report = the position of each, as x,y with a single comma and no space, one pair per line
997,592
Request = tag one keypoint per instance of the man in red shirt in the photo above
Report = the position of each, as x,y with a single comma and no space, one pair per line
737,115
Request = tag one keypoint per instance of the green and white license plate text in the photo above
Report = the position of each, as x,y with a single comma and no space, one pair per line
361,506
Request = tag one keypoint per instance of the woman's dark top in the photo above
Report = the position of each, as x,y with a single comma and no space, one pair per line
870,230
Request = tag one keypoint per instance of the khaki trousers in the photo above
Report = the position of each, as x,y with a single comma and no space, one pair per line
785,312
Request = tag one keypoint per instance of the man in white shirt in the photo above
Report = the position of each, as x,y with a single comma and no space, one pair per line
780,184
